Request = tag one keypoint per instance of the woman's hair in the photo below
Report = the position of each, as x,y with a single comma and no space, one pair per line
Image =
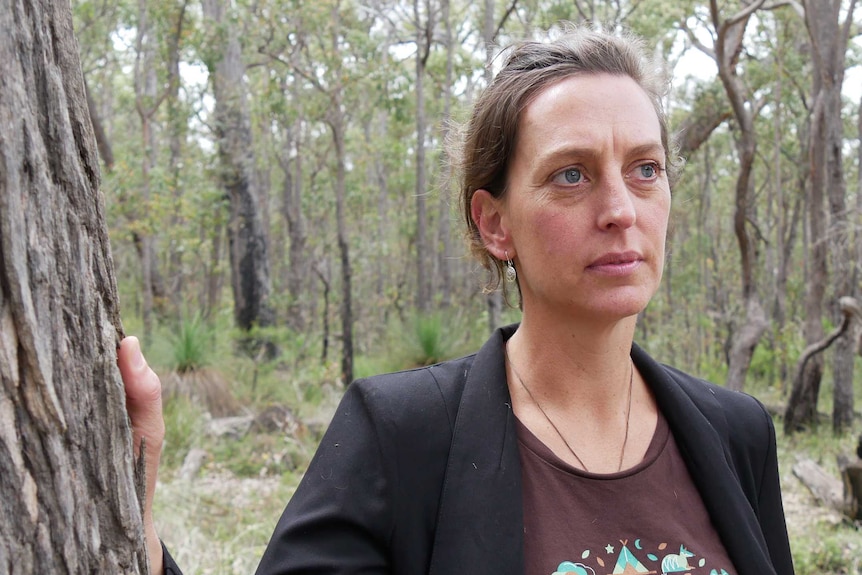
491,133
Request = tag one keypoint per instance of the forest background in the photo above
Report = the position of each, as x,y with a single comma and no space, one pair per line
283,215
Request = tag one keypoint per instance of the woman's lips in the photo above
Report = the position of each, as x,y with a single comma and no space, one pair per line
617,263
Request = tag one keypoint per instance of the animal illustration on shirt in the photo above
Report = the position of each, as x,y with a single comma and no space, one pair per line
677,563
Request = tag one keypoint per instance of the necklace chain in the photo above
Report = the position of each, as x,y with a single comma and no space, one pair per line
553,425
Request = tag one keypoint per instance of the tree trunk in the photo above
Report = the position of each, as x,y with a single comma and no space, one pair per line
67,485
830,48
728,46
801,410
248,248
177,129
494,300
828,43
145,96
337,123
298,270
423,50
445,213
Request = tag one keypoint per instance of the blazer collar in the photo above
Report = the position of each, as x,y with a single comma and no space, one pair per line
701,430
480,519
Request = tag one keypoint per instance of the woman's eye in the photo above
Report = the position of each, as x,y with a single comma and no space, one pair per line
569,176
648,171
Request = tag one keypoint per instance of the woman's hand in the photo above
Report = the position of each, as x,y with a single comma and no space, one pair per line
144,404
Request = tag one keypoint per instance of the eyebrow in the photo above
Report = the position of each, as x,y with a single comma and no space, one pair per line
559,154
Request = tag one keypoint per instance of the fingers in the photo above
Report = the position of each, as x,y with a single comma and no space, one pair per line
143,395
144,405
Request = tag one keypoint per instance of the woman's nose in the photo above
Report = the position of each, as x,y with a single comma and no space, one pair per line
617,205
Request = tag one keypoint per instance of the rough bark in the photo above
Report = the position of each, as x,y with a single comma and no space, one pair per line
248,250
67,493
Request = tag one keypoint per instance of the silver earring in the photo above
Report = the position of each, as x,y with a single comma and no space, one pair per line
511,274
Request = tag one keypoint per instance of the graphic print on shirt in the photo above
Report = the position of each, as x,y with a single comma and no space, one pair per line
662,562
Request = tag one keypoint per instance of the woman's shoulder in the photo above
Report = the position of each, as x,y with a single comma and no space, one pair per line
742,416
734,404
413,395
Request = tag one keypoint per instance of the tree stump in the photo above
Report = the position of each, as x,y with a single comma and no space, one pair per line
851,477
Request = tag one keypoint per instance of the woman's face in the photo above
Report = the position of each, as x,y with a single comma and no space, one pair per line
586,209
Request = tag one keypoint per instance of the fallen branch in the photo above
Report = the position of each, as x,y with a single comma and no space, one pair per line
825,488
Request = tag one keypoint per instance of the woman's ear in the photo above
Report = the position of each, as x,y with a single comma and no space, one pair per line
486,211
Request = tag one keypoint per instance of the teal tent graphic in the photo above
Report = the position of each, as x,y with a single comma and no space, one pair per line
628,564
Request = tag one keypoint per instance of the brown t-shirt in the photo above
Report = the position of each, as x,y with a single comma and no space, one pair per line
647,519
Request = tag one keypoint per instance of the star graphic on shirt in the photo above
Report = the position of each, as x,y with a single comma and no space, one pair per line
609,548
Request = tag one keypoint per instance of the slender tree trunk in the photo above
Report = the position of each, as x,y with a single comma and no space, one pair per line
337,126
298,270
248,248
423,50
494,300
145,95
828,42
69,499
730,34
336,121
833,43
177,127
802,406
445,213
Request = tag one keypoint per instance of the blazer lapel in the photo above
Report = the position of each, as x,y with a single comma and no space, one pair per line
700,428
480,521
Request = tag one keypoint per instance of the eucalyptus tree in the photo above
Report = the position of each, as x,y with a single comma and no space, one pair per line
248,247
70,503
829,37
728,34
150,94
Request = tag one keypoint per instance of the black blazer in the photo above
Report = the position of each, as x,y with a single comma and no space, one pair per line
419,474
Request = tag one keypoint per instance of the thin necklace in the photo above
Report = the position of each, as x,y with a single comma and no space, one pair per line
539,405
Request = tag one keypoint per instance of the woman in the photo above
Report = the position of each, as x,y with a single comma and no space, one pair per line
560,447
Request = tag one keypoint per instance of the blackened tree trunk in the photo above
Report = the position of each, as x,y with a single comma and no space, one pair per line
67,488
248,249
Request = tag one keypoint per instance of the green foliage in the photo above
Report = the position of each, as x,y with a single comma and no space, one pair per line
192,345
422,339
833,549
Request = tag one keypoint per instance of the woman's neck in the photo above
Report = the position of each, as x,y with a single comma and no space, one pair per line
574,362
